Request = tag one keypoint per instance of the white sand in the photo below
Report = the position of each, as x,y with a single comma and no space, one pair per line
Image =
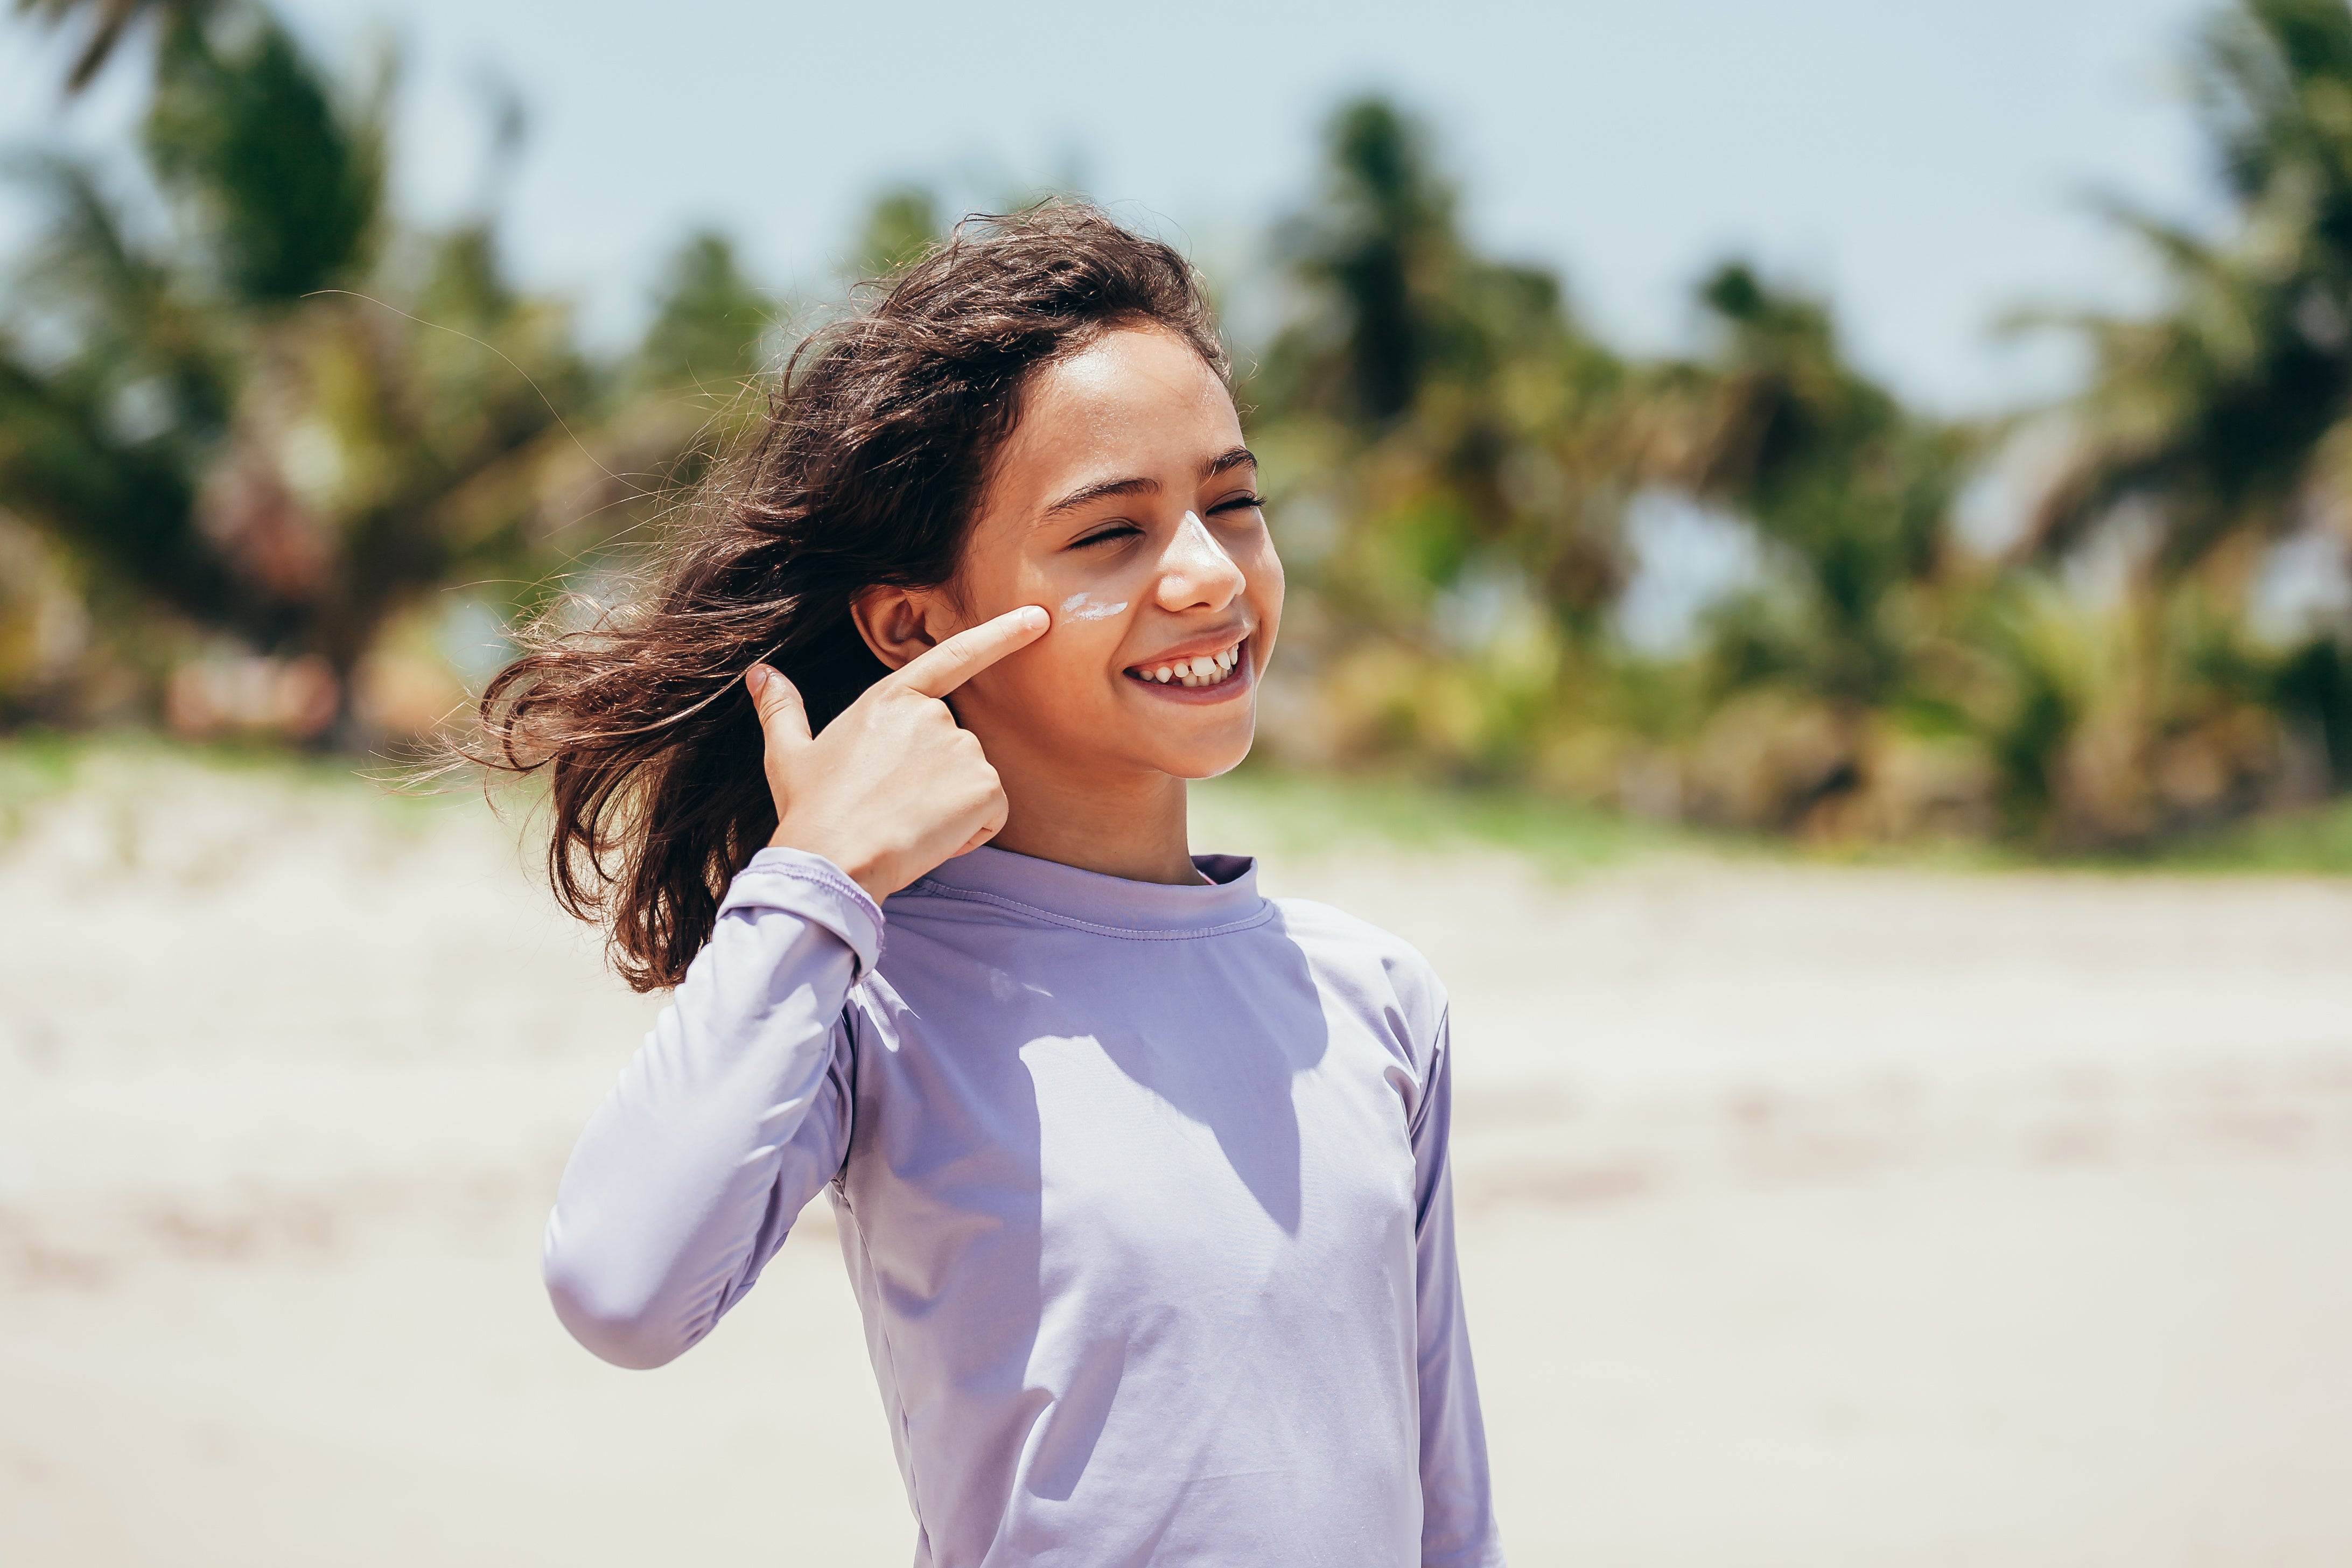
1810,1217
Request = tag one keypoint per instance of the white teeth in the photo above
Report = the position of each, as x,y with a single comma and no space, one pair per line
1201,669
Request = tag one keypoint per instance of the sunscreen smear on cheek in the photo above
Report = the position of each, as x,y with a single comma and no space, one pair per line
1085,607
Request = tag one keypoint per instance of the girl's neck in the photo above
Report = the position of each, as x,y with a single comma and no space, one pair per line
1132,827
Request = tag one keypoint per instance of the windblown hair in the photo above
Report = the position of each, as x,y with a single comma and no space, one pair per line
868,471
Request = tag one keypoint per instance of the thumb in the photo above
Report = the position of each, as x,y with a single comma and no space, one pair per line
783,716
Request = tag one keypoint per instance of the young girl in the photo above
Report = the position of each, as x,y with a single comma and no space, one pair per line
1140,1176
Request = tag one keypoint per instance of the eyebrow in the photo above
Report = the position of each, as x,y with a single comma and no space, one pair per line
1233,459
1087,494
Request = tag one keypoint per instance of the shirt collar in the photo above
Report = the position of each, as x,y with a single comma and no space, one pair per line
1065,894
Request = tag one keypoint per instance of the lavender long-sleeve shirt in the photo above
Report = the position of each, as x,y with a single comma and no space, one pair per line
1143,1190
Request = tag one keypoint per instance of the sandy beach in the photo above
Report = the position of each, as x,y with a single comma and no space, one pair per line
1810,1216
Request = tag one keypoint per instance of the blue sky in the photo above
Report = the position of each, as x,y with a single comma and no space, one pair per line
1923,164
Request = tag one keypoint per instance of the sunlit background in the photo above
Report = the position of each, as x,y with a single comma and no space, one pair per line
1818,544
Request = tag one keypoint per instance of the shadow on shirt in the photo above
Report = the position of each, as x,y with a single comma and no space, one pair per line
1081,1170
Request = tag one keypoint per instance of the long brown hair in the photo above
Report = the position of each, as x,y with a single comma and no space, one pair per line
868,470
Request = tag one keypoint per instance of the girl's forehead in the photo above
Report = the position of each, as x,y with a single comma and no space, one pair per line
1133,371
1135,405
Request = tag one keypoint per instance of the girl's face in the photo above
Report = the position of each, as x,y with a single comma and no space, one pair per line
1125,503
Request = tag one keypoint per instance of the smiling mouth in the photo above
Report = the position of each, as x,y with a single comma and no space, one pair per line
1199,670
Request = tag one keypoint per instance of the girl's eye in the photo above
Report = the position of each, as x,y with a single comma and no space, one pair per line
1116,531
1239,503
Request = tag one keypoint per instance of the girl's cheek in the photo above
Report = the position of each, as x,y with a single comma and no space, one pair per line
1088,632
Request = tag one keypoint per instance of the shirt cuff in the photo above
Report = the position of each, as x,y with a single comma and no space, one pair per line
815,889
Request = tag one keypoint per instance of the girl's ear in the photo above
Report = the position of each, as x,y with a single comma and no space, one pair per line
895,623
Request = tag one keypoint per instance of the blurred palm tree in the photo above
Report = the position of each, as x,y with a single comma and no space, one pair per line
1460,437
220,421
1378,264
718,338
1848,488
2231,405
2223,424
106,23
699,373
712,326
1809,675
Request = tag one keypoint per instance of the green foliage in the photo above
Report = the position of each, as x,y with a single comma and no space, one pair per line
2230,407
1379,256
1477,451
109,21
1851,489
2311,685
2314,840
105,444
711,323
2213,428
1320,815
244,133
227,458
901,223
279,473
1464,451
1467,448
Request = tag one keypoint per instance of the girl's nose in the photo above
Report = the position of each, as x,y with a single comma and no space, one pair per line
1196,572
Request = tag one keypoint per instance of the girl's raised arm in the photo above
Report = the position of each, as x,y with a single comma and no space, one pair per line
736,1110
732,1115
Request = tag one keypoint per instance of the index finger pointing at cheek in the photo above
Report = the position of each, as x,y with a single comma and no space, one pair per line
943,669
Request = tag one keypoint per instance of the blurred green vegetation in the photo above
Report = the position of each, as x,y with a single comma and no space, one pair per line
1281,810
1267,809
276,464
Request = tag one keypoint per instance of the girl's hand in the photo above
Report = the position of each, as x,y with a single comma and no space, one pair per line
892,787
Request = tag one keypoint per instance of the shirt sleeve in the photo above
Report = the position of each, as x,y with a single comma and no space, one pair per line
733,1114
1457,1528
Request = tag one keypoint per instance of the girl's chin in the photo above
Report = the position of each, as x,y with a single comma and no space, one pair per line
1223,763
1190,743
1209,755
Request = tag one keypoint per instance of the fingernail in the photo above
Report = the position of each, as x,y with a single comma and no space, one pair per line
1033,618
755,680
